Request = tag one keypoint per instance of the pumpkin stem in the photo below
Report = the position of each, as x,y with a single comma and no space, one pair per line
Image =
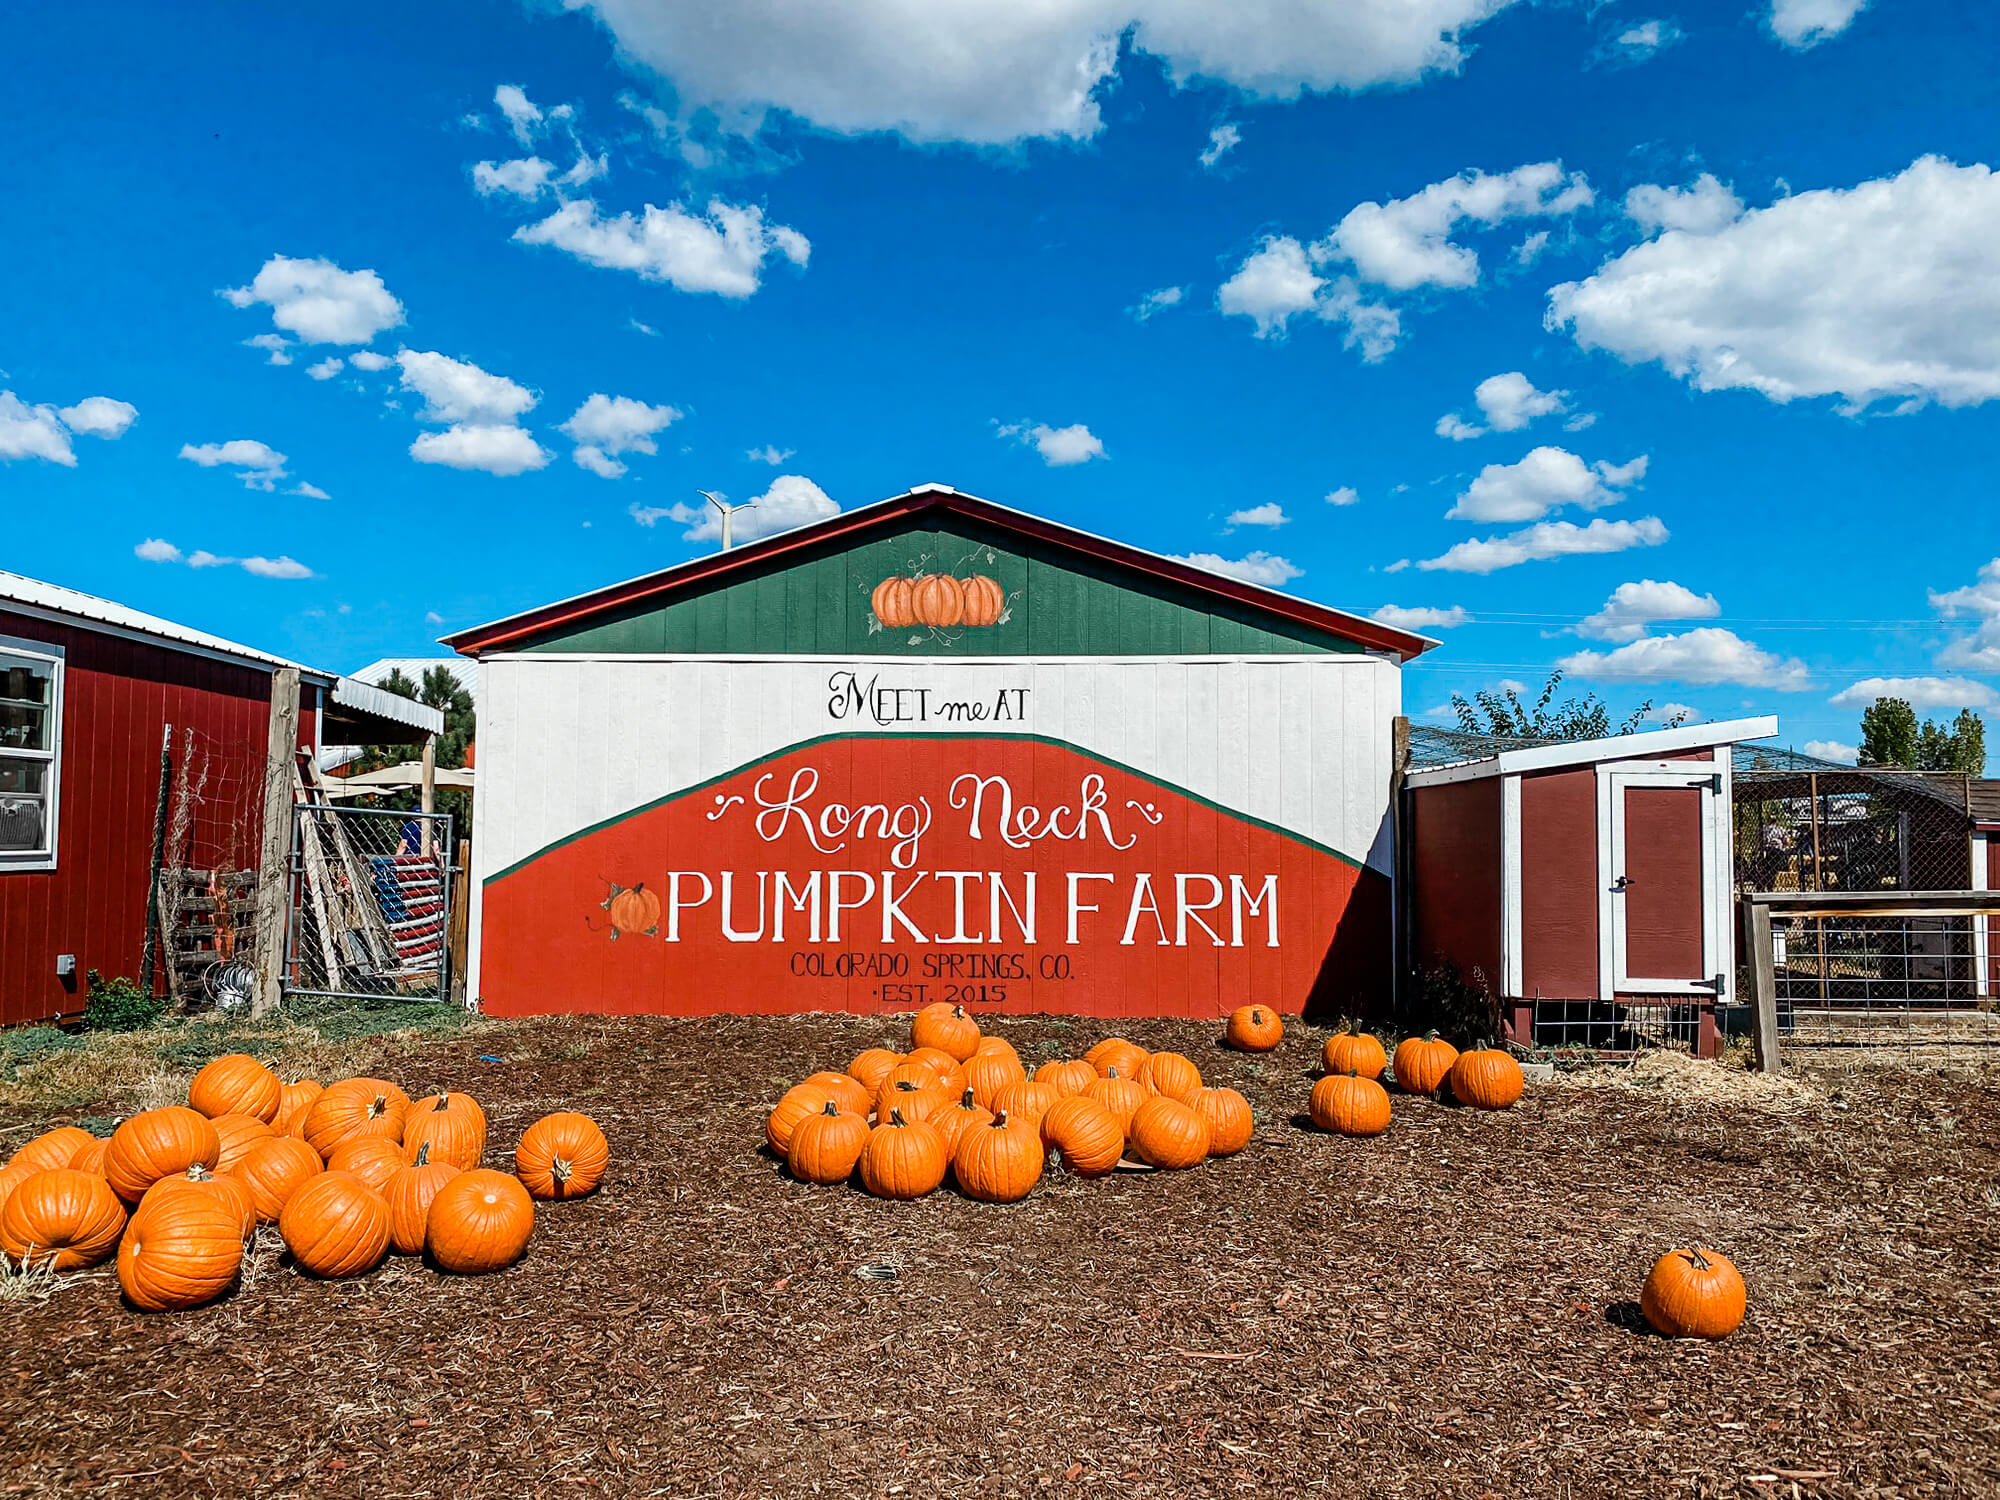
831,1108
1111,1072
958,1011
968,1102
896,1117
1701,1262
423,1155
999,1119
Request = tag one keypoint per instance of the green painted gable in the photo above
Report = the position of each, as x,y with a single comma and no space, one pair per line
1059,603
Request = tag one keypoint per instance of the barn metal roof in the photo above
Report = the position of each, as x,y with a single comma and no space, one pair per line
501,634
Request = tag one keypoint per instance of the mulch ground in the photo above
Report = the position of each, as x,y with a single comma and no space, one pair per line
1447,1310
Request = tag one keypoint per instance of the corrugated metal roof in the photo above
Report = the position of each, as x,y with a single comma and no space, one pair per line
414,667
50,598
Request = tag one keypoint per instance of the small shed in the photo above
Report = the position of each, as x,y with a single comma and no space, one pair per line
101,707
1581,884
935,749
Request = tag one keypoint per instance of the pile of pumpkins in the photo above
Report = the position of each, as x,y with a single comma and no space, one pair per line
962,1104
348,1173
1349,1098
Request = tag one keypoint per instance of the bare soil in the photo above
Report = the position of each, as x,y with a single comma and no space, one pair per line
1449,1310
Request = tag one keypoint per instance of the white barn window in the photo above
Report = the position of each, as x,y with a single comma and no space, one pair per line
30,752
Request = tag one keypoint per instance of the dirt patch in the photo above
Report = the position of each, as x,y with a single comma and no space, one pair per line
1444,1311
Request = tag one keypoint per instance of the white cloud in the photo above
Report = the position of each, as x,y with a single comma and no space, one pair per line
1634,606
1706,208
524,118
1221,141
1276,282
1270,513
1406,243
1509,403
526,178
1686,713
1058,446
605,426
275,567
1979,601
1530,249
432,617
1921,693
1807,23
1708,655
319,303
157,549
1889,290
1264,568
275,346
1546,540
586,168
153,549
1345,495
1421,618
650,516
770,454
368,359
1639,43
1834,750
792,500
308,491
722,251
455,390
32,432
1547,479
327,368
258,465
1157,301
993,72
99,417
495,448
600,463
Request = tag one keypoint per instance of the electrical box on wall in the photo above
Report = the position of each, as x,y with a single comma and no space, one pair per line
65,965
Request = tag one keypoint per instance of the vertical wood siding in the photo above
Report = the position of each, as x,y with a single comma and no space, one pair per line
1455,870
1559,881
1663,903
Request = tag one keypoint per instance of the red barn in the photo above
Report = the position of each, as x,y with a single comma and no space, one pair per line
89,692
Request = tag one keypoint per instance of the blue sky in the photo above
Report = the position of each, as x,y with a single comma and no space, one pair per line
1662,339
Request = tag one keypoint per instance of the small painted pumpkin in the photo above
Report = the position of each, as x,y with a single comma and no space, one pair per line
1026,1100
989,1072
158,1143
336,1226
181,1252
355,1106
273,1170
62,1216
634,910
1085,1134
947,1028
937,600
236,1085
198,1181
409,1194
372,1158
1354,1051
452,1125
1169,1134
799,1101
1422,1063
1119,1094
1349,1104
951,1123
999,1162
893,605
1230,1122
52,1149
480,1221
871,1066
844,1091
984,600
237,1134
1115,1052
1254,1028
1171,1074
1694,1294
563,1155
903,1158
827,1146
1486,1078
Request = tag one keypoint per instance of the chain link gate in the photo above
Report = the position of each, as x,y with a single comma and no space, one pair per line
371,895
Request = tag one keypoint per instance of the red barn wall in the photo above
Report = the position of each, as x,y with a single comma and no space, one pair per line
117,696
1455,846
1559,880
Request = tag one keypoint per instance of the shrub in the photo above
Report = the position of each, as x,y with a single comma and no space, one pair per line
1453,1004
117,1005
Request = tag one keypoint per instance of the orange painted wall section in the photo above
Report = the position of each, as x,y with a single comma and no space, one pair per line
1010,875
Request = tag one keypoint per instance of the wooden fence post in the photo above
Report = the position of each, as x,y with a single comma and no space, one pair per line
273,870
1763,986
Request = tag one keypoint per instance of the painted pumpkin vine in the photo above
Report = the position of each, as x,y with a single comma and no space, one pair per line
931,603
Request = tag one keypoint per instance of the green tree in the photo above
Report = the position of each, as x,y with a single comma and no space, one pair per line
1504,715
1959,746
1889,733
441,690
1891,736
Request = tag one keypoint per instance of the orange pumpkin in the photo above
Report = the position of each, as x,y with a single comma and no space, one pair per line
871,1066
1171,1074
1066,1078
12,1177
293,1103
480,1222
562,1155
236,1085
409,1194
1085,1134
91,1158
1486,1079
355,1106
1230,1122
198,1182
990,1072
937,600
903,1159
452,1125
893,604
237,1134
273,1170
984,601
952,1122
919,1098
799,1101
999,1162
1119,1094
996,1044
1694,1294
1115,1052
844,1091
634,910
1026,1100
1349,1104
158,1143
372,1158
1422,1063
1254,1028
1353,1051
62,1216
181,1252
1169,1134
950,1071
336,1225
52,1149
827,1146
947,1028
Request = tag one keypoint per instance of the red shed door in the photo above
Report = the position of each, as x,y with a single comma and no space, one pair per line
1663,851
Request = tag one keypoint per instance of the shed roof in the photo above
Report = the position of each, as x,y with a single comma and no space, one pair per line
1433,760
926,498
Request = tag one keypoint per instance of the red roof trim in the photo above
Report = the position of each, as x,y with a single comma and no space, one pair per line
502,633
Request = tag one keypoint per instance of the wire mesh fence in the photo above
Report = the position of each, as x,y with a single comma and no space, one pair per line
371,903
209,851
1615,1029
1886,979
1858,830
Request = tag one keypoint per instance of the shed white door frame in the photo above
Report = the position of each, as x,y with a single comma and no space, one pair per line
1711,779
1510,887
1982,932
